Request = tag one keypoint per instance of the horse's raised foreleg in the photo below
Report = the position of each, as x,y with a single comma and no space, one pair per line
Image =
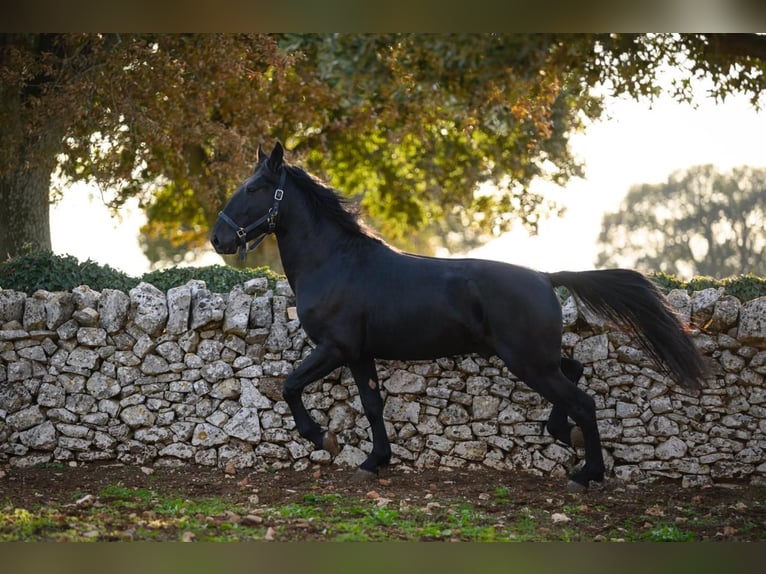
321,362
366,379
558,424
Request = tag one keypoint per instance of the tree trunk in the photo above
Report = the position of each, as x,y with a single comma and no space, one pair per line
25,210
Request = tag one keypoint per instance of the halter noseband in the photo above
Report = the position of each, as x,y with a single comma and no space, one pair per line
270,218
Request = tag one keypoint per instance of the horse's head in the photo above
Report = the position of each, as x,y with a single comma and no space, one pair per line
252,211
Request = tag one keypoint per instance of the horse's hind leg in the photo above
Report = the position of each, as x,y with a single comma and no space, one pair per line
547,378
366,379
558,424
321,362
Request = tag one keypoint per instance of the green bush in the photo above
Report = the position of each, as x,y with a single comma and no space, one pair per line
218,278
45,270
743,287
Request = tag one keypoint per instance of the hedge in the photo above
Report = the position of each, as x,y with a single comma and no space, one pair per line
46,270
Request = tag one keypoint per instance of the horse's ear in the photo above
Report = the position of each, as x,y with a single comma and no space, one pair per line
261,154
276,158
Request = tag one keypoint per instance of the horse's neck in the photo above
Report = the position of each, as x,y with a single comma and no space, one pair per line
307,245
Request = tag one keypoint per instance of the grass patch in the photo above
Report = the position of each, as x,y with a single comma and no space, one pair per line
668,533
122,513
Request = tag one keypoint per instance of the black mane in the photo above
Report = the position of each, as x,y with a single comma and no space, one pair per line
326,201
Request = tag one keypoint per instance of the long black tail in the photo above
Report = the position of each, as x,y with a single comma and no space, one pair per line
630,300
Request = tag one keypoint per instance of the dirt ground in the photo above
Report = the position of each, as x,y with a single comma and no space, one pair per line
722,512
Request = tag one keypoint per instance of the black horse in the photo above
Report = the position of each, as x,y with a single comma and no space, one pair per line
359,300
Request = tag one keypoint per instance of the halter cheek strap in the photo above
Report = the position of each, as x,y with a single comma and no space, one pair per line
270,218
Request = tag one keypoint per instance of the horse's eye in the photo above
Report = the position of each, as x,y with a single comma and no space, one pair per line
256,186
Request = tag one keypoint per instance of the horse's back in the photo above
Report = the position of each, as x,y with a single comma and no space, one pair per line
423,307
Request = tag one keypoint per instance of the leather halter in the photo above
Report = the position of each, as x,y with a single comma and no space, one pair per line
270,218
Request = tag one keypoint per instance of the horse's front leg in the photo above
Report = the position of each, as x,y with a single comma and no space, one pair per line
320,363
366,379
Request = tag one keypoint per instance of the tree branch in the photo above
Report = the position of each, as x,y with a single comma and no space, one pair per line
737,45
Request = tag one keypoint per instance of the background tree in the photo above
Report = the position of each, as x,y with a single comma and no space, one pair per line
409,125
699,222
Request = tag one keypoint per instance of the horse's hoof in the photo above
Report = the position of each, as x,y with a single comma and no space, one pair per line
330,443
361,476
575,487
576,438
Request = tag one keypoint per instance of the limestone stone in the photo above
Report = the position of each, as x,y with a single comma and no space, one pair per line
350,456
40,437
137,416
569,312
148,308
237,313
154,365
663,426
113,310
752,323
171,351
245,425
673,448
260,312
206,435
725,313
279,338
26,418
207,309
50,396
454,414
87,317
209,350
485,407
19,371
58,309
256,285
34,356
681,302
178,450
238,455
11,305
226,389
179,301
403,382
216,371
703,305
84,297
471,450
592,349
398,409
633,453
34,314
91,336
102,387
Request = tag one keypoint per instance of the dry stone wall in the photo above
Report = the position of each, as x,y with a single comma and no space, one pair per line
190,376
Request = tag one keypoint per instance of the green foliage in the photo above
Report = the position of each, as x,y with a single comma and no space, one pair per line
743,287
669,533
218,278
409,124
46,270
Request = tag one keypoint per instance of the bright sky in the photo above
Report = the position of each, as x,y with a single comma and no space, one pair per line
639,143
